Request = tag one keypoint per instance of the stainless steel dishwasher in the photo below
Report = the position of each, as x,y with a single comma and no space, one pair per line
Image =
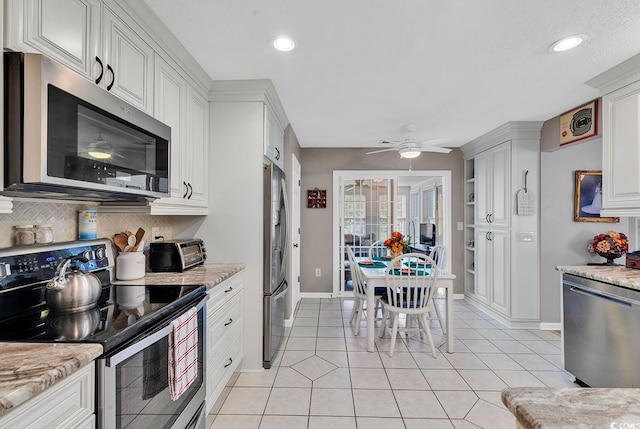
601,332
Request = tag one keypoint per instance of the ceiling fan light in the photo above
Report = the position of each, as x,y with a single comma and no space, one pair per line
283,43
568,43
99,151
409,152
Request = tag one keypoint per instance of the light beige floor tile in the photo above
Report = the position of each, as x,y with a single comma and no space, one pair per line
510,347
481,346
301,343
547,335
542,346
319,422
494,334
482,379
233,379
497,361
308,313
456,403
463,424
375,403
426,360
534,362
215,409
331,344
492,397
246,400
331,402
338,358
331,331
519,378
521,334
314,367
399,360
467,334
369,378
304,331
418,404
236,422
459,347
329,321
487,415
292,357
288,377
555,359
407,379
428,424
364,360
289,401
380,422
555,378
331,313
384,344
283,422
465,361
337,379
357,344
305,321
309,306
445,379
257,379
483,324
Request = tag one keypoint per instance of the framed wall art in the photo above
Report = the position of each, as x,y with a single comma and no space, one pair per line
588,197
317,199
579,124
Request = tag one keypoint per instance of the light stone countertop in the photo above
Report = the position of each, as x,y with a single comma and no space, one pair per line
573,408
617,275
27,369
209,275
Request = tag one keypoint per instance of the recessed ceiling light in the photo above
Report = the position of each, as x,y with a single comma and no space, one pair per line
568,43
283,43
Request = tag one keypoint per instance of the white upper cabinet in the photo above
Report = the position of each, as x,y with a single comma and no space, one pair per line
195,163
492,174
273,138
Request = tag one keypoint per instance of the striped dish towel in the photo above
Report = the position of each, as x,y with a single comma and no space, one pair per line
183,353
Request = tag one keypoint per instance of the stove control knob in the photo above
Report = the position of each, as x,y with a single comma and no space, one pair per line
88,254
5,270
101,253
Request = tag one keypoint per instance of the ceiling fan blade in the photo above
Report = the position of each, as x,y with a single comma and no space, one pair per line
436,149
390,142
382,150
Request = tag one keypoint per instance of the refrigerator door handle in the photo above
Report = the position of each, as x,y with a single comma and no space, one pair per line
283,185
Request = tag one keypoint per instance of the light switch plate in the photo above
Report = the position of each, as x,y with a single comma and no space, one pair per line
525,236
460,226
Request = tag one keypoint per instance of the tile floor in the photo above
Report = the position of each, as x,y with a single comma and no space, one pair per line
325,378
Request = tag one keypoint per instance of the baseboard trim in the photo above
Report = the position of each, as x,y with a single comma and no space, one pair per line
509,323
458,296
316,295
545,326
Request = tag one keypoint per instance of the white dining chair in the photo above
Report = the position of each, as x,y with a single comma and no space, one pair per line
409,291
438,254
377,249
359,294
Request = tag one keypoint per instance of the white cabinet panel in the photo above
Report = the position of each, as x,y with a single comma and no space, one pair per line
195,161
499,267
493,186
483,189
482,265
274,138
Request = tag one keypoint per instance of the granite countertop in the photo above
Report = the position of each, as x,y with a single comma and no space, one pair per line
210,275
616,274
27,369
571,408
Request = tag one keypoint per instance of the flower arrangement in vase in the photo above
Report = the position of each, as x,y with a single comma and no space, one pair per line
610,245
396,244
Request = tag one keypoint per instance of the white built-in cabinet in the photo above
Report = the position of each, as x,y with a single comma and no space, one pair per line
110,46
273,138
225,310
620,90
69,404
87,36
501,244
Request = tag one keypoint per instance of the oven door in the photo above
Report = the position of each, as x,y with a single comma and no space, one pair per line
132,384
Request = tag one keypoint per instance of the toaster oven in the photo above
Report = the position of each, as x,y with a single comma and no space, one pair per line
176,255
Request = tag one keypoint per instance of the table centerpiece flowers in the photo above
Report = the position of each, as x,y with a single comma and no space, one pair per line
610,245
396,244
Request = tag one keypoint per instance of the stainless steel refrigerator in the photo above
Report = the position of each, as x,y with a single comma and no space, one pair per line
275,284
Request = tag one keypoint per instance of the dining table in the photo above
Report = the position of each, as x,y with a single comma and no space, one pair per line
375,277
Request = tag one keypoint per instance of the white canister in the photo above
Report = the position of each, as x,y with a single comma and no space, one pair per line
128,297
130,265
87,224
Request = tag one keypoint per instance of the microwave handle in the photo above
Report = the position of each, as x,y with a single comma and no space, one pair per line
146,342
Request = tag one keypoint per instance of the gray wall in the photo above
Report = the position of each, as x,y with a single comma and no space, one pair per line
316,237
563,241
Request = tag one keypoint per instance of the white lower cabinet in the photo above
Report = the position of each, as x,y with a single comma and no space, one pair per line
492,268
65,405
224,334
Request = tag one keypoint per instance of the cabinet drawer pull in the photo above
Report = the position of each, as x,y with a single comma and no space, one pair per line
229,322
190,191
230,362
186,190
229,290
99,78
487,218
113,78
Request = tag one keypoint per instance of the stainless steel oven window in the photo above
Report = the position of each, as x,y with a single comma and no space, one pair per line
133,389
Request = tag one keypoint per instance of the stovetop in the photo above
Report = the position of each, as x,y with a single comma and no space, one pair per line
121,314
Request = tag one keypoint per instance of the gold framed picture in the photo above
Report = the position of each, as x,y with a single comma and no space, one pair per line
579,124
587,201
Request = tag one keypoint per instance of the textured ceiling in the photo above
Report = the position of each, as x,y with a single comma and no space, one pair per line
363,69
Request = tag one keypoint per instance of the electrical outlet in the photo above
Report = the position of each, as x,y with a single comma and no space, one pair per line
155,232
318,272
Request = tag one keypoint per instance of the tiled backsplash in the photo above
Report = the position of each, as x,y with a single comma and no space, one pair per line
63,218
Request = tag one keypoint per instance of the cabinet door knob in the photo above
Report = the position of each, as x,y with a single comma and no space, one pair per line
99,78
113,77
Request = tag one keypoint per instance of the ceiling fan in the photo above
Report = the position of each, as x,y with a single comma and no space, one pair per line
410,147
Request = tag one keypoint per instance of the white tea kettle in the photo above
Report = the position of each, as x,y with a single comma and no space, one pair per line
72,291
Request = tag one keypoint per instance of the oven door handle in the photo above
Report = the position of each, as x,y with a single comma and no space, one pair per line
146,341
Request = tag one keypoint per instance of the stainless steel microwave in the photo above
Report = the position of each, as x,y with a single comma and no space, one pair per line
65,137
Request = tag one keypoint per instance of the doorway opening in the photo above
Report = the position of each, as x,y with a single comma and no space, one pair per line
370,205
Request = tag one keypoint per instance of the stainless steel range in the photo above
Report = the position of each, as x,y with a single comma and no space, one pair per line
133,324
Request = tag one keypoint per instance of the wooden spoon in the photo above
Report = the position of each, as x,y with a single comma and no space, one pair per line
139,235
120,240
